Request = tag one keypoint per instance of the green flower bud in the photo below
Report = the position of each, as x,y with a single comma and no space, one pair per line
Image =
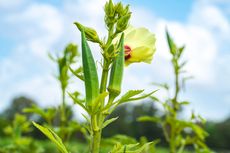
119,8
109,9
126,10
116,74
109,22
122,23
90,73
90,33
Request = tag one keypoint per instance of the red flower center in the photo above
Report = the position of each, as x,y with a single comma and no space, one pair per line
128,51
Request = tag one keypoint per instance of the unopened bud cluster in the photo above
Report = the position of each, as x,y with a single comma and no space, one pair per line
117,14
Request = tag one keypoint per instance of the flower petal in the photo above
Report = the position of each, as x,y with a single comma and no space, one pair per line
140,37
141,54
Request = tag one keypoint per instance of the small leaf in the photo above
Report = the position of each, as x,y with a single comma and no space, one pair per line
155,98
77,101
149,119
184,103
98,100
78,73
172,45
130,94
53,137
123,100
107,122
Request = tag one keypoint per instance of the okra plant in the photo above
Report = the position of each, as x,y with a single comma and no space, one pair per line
122,46
178,133
66,126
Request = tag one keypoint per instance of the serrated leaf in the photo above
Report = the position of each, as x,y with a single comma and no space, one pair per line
123,100
130,94
53,137
107,122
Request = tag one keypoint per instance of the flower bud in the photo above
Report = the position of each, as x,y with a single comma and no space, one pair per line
109,9
90,33
123,23
119,8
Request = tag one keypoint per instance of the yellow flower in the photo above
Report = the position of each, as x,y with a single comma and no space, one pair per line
139,45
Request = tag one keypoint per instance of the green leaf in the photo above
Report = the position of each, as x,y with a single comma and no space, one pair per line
77,101
107,122
129,96
132,148
184,103
149,119
162,85
155,99
78,73
90,72
98,100
172,45
35,109
53,137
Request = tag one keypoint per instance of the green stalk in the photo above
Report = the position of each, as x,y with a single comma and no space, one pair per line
97,119
104,77
96,135
63,113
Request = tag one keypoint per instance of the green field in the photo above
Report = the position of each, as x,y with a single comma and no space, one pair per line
49,147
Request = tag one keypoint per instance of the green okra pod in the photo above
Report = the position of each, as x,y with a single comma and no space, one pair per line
90,72
117,69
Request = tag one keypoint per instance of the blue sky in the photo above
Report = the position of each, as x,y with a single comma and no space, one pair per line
31,29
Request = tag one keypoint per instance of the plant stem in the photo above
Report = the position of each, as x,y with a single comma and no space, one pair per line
172,137
63,108
96,135
104,78
96,142
97,119
173,146
63,116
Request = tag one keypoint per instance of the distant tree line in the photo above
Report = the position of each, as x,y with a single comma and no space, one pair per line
127,124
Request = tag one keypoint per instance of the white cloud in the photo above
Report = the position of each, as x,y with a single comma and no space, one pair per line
41,27
210,17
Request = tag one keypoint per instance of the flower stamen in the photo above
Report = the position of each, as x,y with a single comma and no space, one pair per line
128,51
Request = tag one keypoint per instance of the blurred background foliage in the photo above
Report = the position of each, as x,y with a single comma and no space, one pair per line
127,124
